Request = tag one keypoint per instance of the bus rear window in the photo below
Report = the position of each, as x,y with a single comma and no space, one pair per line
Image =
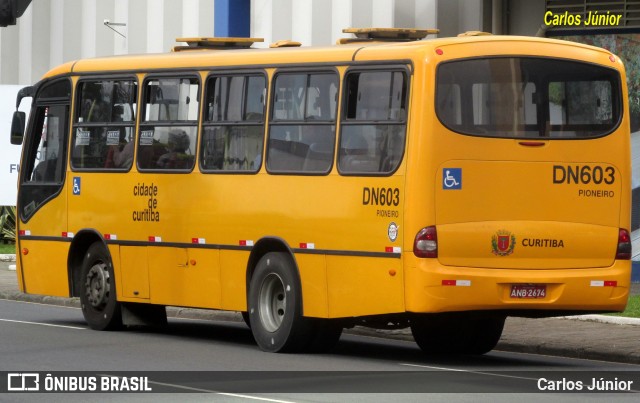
528,98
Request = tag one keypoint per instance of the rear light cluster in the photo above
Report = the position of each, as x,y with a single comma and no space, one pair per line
426,243
624,245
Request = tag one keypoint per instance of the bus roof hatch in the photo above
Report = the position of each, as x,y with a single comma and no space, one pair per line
386,34
216,43
475,33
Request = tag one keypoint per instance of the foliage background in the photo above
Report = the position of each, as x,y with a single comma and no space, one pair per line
8,223
627,47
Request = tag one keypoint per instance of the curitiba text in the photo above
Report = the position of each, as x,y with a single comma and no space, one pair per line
150,211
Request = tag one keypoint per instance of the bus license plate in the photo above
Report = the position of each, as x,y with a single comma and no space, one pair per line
528,291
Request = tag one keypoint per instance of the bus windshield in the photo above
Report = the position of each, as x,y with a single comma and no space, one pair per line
525,97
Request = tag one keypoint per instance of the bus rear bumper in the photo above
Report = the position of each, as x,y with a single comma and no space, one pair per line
431,287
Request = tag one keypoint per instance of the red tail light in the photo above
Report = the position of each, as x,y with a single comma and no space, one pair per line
624,245
426,243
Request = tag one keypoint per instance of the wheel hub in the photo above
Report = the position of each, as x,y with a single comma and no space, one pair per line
272,302
97,285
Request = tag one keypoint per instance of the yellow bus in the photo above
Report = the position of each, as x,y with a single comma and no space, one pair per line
387,181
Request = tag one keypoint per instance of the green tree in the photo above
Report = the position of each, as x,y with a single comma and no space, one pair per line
8,223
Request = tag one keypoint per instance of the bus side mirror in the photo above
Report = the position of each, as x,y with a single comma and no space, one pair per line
17,127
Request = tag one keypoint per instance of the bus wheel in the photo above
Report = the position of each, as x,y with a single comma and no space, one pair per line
245,318
457,335
275,305
487,333
326,334
98,296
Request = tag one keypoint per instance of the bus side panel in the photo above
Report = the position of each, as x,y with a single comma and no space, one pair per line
116,261
314,285
178,277
19,270
233,280
364,286
44,268
203,275
134,272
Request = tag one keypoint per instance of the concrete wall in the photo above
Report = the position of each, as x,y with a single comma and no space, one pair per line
56,31
524,17
53,32
458,16
314,22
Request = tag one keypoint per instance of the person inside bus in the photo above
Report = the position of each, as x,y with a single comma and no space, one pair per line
122,156
178,146
355,155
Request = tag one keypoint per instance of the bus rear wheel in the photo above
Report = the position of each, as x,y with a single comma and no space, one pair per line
275,305
326,334
100,307
457,335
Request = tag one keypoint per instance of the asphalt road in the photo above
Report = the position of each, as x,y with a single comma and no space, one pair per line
45,338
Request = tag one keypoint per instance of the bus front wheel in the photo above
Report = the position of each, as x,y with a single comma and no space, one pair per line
459,335
100,308
275,305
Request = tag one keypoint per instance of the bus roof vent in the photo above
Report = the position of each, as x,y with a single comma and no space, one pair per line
475,33
385,34
286,43
215,43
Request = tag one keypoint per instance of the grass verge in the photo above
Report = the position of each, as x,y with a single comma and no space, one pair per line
633,308
7,249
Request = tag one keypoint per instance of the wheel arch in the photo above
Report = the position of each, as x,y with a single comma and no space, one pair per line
261,248
79,246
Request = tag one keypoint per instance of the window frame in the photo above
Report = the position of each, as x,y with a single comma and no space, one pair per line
76,112
228,123
31,144
142,123
308,71
346,122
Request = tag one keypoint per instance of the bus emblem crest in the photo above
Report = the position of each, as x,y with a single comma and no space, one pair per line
503,243
392,232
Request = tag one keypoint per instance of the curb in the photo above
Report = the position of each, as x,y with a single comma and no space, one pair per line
614,320
540,348
7,258
577,352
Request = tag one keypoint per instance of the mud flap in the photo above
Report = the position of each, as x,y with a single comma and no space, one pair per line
144,315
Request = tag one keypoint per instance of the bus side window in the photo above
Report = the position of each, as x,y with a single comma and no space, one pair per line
43,164
167,138
302,128
234,124
103,128
374,123
48,166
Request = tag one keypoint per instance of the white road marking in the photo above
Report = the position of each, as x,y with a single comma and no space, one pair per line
43,324
469,371
40,303
264,399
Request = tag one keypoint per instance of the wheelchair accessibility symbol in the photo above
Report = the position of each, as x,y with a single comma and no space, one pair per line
452,178
76,185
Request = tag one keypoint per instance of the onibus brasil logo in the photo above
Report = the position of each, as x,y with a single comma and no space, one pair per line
503,243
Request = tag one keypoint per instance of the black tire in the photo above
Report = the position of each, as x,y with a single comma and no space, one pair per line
457,335
245,318
326,334
98,299
275,305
